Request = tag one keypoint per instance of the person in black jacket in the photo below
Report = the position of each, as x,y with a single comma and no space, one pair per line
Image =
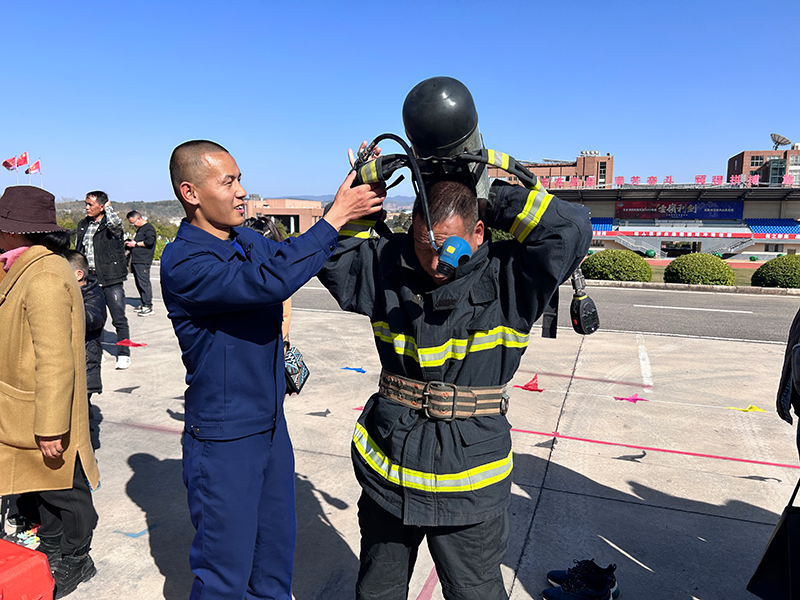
95,306
788,392
99,238
142,247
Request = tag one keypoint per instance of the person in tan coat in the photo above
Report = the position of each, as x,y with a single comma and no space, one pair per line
44,429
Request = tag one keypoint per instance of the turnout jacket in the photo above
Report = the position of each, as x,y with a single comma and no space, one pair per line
225,304
470,331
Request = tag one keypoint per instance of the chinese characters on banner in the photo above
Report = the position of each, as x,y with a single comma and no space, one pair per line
679,209
575,181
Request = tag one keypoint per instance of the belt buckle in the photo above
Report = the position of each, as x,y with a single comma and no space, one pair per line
439,386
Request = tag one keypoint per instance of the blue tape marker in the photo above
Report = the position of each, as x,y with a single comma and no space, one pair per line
136,535
357,370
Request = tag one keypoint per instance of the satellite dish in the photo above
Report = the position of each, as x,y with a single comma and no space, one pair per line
779,140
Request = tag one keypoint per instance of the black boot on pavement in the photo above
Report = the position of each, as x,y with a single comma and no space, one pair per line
590,571
73,570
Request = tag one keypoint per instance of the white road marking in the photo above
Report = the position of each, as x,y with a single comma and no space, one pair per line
644,362
743,312
617,548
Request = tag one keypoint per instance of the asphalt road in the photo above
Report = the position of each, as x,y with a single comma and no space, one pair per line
761,318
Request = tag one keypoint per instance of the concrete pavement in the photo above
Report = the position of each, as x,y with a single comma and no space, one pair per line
651,467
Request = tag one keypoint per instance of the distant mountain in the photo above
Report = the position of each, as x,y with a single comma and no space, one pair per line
166,211
171,211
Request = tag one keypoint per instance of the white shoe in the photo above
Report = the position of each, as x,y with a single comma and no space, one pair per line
123,362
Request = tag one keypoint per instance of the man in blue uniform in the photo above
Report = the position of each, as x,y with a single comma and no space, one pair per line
223,287
432,449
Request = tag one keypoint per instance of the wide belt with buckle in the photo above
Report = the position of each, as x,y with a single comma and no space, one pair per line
444,401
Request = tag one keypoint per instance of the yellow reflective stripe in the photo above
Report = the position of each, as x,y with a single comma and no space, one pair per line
359,228
470,480
403,344
369,172
498,159
535,205
453,348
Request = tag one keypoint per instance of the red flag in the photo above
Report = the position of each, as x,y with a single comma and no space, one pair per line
34,168
23,159
10,163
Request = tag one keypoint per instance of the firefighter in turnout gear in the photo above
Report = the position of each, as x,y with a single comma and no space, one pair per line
432,449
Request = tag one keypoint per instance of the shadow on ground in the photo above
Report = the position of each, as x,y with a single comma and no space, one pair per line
660,542
664,546
327,564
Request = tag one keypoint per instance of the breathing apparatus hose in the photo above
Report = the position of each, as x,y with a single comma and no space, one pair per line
416,176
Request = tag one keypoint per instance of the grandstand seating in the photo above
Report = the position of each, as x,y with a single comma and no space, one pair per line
773,225
602,223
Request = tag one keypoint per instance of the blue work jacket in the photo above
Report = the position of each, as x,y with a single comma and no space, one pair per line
225,306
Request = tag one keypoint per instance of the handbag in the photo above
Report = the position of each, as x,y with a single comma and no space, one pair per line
777,576
296,370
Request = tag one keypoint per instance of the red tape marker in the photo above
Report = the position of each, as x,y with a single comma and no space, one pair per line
682,452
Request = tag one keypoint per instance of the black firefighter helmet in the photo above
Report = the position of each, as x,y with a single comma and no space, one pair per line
440,119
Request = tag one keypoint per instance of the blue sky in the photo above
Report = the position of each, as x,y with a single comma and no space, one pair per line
102,91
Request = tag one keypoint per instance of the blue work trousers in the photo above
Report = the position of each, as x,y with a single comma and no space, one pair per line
241,500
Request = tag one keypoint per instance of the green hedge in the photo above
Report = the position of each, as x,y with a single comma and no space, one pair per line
699,268
617,265
160,243
782,271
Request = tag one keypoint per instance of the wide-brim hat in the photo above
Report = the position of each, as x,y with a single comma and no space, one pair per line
28,209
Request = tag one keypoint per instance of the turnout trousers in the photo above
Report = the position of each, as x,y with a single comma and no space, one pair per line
241,501
467,557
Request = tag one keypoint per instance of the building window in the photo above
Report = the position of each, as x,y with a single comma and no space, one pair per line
597,244
794,160
756,161
773,247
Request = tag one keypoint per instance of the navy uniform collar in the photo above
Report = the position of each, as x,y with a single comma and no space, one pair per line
222,248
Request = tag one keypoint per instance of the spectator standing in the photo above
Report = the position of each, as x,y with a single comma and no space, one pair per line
142,247
99,238
788,393
44,430
95,308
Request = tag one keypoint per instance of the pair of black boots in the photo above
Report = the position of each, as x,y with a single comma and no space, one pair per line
585,581
69,570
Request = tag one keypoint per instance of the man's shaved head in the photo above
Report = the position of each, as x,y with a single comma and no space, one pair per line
186,162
